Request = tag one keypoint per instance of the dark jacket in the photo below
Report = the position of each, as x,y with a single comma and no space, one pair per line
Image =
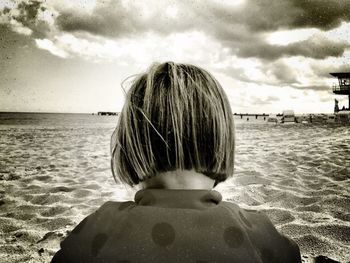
176,226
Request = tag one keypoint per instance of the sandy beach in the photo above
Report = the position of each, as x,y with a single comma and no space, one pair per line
55,170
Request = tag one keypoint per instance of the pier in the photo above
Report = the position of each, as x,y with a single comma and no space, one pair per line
254,115
107,113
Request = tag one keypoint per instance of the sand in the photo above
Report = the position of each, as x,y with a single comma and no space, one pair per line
54,171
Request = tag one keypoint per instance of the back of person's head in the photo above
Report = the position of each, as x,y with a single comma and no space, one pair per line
175,117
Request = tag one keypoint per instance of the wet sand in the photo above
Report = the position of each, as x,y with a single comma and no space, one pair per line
54,171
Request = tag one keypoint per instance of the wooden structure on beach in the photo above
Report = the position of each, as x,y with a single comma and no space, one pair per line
253,115
343,88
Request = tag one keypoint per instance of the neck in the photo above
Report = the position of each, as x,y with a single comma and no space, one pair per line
179,179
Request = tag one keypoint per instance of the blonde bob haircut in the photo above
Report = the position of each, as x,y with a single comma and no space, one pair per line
175,117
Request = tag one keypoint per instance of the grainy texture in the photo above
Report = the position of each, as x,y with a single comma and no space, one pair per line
54,171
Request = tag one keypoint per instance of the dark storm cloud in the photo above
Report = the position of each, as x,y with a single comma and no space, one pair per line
103,21
271,15
239,28
26,14
322,14
113,19
94,24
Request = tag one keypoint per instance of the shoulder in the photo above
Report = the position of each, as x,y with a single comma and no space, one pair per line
103,218
264,236
91,230
251,219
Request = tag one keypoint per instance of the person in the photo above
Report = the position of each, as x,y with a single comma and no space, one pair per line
336,106
175,138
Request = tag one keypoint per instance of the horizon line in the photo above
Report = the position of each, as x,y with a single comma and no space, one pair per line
95,113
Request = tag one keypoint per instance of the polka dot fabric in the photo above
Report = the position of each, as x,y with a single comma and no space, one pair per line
176,226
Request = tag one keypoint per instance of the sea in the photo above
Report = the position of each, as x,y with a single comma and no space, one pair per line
55,170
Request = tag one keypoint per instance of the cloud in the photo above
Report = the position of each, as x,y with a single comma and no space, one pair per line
317,47
113,18
312,87
264,101
231,38
48,45
265,52
272,15
278,73
195,48
28,12
120,18
240,27
322,70
28,17
323,14
282,73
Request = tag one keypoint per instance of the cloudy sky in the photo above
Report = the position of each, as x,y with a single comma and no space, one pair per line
269,55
